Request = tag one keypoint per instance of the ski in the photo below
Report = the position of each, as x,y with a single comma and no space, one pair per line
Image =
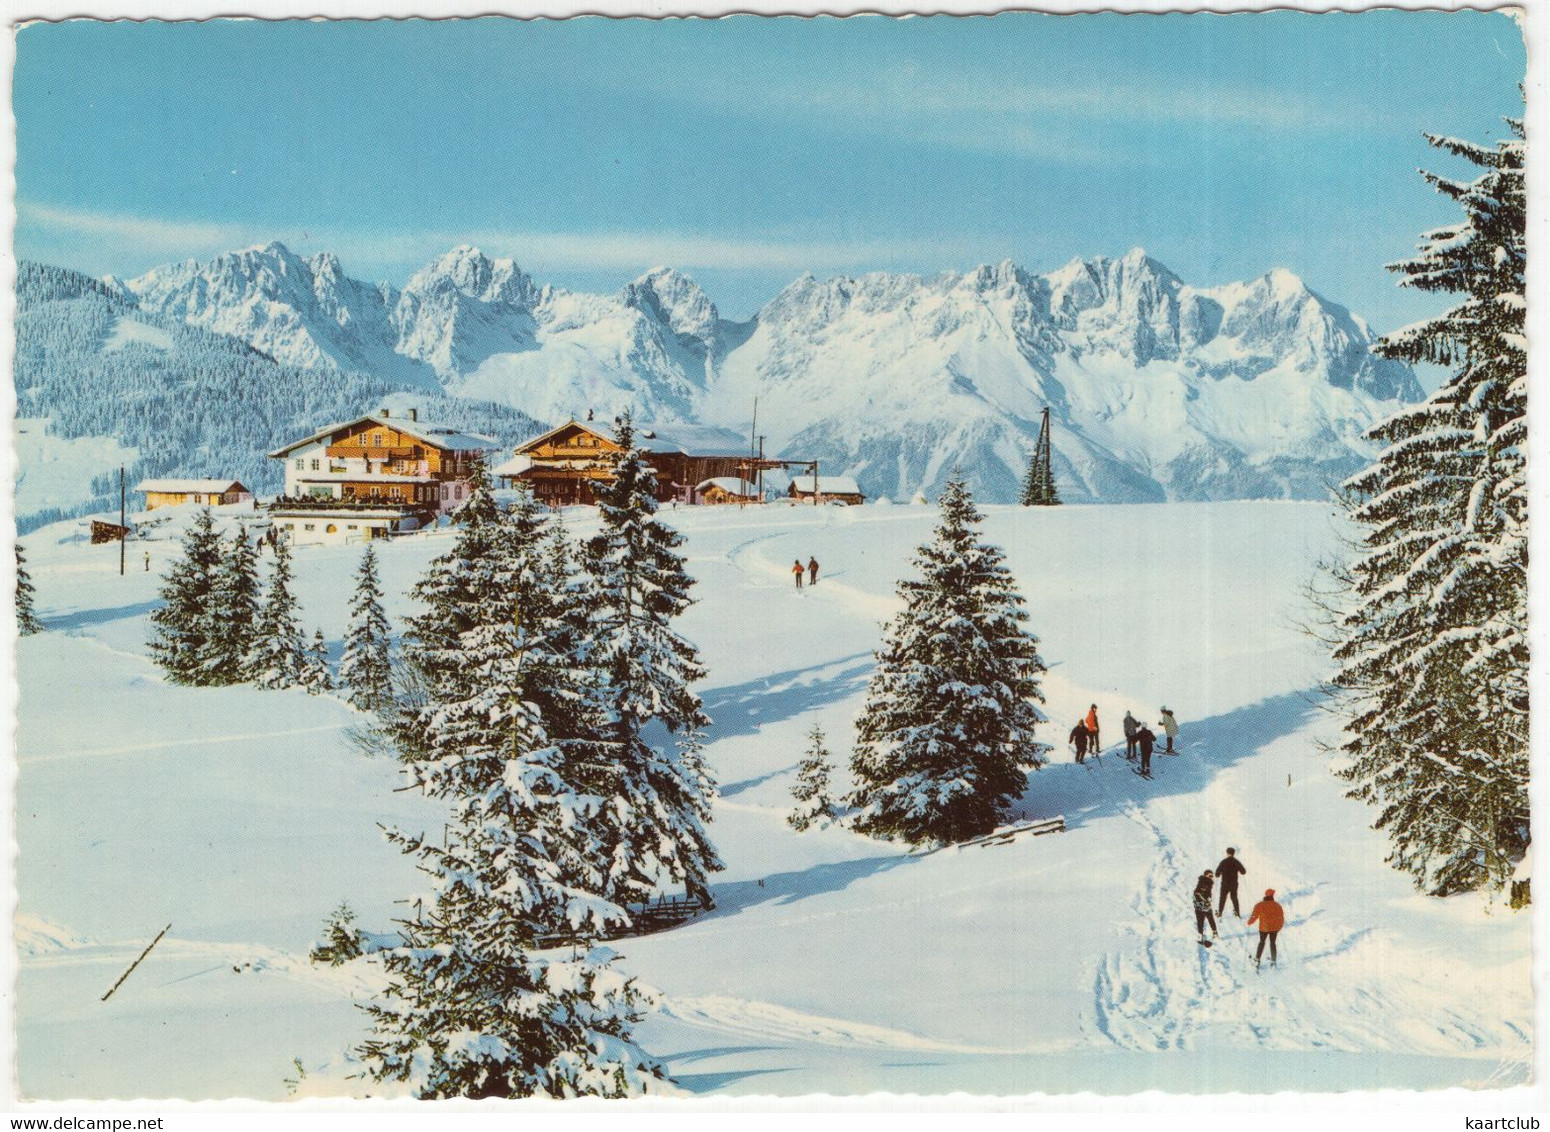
1205,943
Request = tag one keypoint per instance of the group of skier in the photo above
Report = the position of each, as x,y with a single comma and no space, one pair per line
811,569
1139,738
1268,914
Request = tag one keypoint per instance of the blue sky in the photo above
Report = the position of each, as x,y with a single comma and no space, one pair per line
747,150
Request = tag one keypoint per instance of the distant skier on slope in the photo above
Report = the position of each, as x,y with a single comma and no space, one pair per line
1078,739
1145,741
1170,728
1131,727
797,570
812,571
1271,918
1227,874
1092,728
1203,915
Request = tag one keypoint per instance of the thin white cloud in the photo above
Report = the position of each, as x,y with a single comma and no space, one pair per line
971,110
160,240
177,238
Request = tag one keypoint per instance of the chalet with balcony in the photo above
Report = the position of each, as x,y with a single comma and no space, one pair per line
373,476
568,465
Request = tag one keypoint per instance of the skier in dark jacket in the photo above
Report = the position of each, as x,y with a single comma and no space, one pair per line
1131,727
1144,740
812,571
1227,874
1203,906
1078,739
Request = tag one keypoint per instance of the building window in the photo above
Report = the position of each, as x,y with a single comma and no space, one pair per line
376,440
308,527
301,465
315,465
350,526
290,526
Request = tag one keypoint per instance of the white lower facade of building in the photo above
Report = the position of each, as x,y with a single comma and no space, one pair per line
330,526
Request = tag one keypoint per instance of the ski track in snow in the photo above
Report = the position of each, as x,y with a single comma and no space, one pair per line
766,1021
160,744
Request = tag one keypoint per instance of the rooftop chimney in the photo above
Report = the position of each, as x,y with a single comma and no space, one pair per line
384,414
414,414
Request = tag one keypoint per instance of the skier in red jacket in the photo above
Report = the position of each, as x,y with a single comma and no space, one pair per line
1271,918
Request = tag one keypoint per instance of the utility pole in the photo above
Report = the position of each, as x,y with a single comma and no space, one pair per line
815,483
753,433
123,537
759,469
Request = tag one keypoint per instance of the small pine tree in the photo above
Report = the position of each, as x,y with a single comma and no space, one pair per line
1039,488
315,676
366,667
811,791
1434,654
186,623
342,940
27,622
279,655
660,800
235,608
947,732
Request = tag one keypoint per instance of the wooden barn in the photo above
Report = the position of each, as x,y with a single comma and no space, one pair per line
210,493
825,489
567,465
726,489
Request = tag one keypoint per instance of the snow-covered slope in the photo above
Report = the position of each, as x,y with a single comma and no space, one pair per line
1158,389
833,963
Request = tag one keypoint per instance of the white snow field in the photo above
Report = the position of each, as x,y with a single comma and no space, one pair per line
1057,964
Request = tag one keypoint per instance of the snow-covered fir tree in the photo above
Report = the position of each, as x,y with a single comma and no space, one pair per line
470,1010
315,676
660,801
946,736
279,657
27,622
366,667
814,804
186,623
1039,488
235,608
1434,650
342,940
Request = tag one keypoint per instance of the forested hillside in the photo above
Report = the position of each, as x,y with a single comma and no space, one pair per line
193,403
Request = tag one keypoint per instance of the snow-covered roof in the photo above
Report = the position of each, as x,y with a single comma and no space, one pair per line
694,440
690,439
447,439
729,484
827,485
513,467
190,487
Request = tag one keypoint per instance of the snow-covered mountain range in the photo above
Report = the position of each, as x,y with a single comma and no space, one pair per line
1158,389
